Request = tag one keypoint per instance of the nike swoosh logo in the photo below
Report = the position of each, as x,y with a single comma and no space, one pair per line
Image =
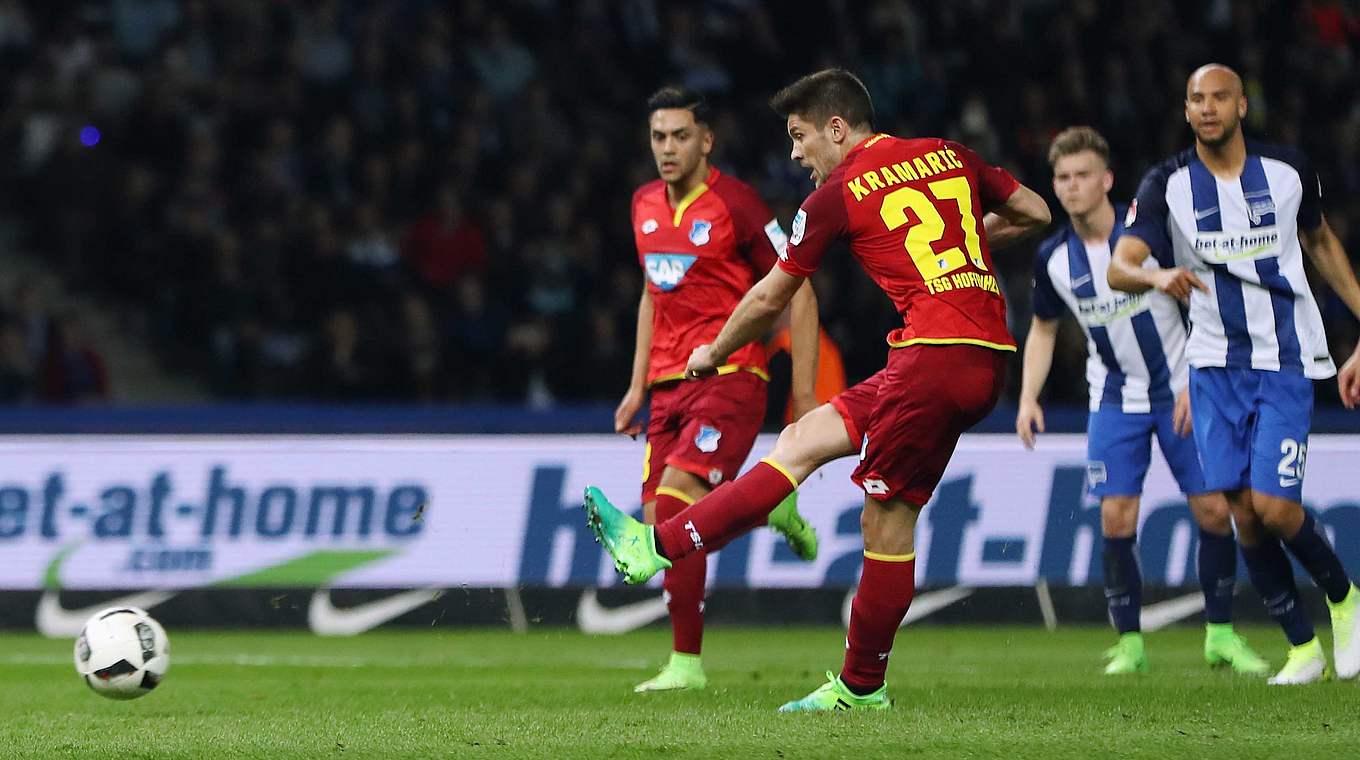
922,606
1162,614
1082,280
57,622
1206,213
325,619
593,617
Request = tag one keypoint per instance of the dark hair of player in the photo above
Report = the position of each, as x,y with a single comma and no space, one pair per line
1074,140
681,97
829,92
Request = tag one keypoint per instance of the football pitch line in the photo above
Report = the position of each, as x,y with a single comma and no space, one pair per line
319,661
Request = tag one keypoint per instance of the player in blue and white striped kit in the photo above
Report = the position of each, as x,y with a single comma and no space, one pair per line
1137,375
1235,213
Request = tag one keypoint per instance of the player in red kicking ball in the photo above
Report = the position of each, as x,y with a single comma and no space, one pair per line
921,215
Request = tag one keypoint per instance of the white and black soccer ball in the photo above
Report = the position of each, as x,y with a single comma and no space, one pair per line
122,653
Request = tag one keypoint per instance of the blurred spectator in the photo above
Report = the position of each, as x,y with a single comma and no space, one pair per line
348,200
445,244
72,370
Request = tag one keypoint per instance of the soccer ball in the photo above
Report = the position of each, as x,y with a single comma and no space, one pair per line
122,653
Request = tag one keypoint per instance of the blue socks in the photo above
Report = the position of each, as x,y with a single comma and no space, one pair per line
1317,557
1123,584
1217,575
1273,578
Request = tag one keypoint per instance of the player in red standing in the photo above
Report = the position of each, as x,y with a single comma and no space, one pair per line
921,216
703,239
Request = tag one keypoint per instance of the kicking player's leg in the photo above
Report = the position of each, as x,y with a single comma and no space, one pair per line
639,552
801,448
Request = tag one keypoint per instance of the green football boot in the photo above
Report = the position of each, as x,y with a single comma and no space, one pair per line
834,695
1222,646
797,532
684,671
1306,664
1127,656
632,544
1346,634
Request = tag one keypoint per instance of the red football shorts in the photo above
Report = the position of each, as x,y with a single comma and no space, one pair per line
908,416
704,427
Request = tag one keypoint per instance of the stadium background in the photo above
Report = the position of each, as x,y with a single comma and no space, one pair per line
313,316
409,218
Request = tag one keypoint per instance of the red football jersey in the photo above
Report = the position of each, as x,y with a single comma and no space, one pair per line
912,212
700,257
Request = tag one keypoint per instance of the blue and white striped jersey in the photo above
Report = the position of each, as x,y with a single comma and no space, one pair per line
1241,237
1135,342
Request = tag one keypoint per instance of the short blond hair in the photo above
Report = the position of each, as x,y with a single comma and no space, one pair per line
1074,140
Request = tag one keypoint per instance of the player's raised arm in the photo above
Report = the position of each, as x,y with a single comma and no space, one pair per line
752,318
625,415
1127,272
1024,214
1324,248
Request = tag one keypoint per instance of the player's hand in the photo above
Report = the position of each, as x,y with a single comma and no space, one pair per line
1029,419
625,416
804,403
1177,282
1181,421
1348,380
701,363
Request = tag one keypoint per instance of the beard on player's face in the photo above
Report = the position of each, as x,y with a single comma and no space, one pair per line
1218,134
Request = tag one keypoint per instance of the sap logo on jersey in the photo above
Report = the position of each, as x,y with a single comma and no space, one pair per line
698,234
666,270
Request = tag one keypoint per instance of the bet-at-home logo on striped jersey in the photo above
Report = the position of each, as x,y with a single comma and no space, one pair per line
1238,245
1103,311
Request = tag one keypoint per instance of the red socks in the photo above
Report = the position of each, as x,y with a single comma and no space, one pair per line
885,590
684,581
726,513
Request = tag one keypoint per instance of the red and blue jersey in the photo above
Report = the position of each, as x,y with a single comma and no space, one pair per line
700,256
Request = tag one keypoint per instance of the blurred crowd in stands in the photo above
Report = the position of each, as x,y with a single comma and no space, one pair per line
429,201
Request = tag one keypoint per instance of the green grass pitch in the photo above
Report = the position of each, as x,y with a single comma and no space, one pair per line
960,693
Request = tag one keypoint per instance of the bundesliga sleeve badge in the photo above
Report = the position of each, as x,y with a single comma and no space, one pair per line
777,238
1132,215
799,227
